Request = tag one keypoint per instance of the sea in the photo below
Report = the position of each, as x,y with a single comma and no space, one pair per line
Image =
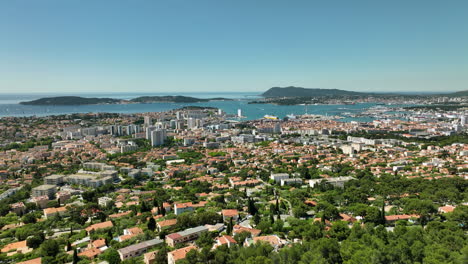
9,106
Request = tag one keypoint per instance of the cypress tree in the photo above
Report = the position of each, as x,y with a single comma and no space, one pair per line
230,226
75,257
383,213
151,224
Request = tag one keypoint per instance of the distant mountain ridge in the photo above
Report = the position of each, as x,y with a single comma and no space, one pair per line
458,94
293,91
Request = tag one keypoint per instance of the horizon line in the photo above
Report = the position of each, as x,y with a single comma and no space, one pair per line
207,92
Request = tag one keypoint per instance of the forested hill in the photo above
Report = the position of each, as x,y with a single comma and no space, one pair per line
71,100
77,100
292,91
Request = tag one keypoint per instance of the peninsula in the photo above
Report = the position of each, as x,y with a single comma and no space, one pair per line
77,100
72,100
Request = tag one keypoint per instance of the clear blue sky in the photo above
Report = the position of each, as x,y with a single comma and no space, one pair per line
232,45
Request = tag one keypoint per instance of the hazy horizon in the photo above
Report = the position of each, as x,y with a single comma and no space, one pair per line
203,92
50,47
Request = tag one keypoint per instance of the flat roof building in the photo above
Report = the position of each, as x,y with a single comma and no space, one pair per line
54,179
46,189
138,249
184,236
337,181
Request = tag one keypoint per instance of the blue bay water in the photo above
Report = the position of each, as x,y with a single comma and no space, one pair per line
9,106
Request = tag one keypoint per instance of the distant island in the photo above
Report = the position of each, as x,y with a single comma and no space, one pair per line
77,100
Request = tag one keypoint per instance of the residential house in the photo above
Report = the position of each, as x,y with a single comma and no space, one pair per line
187,207
446,209
98,226
130,233
178,254
347,218
166,223
18,208
16,247
150,257
32,261
273,240
239,229
224,240
91,253
41,201
63,196
98,243
230,213
391,219
104,201
49,212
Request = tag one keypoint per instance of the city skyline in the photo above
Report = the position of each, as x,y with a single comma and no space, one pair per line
207,46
